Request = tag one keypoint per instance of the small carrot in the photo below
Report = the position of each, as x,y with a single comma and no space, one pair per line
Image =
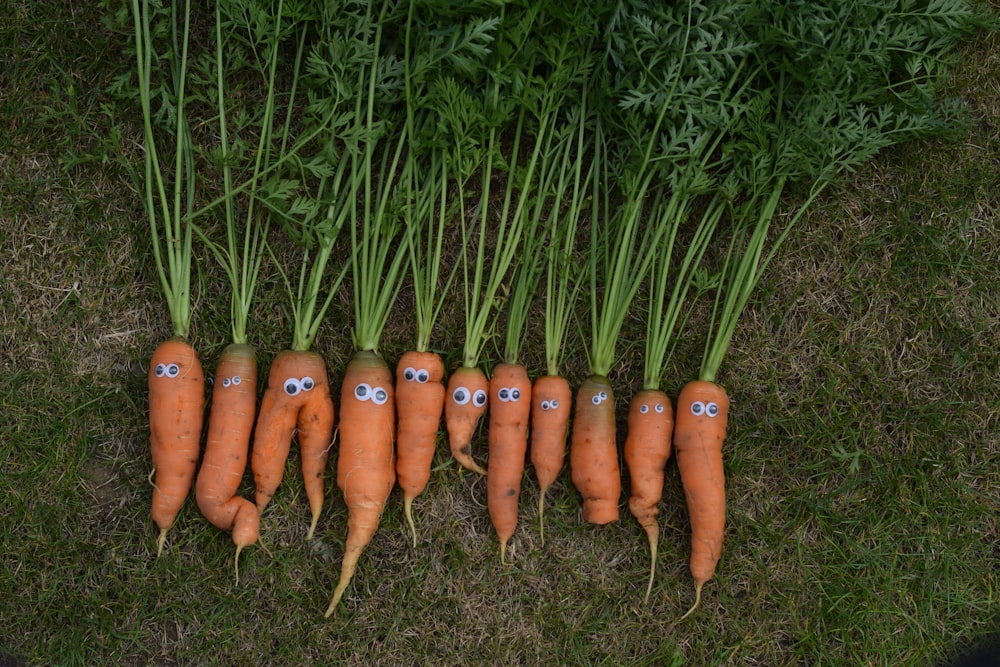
365,464
465,403
230,424
297,396
551,405
647,448
699,431
593,454
510,396
176,415
420,395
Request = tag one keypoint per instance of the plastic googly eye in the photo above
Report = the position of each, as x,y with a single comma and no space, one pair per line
603,395
697,408
554,404
596,400
659,407
643,409
292,386
545,405
423,376
460,395
409,374
236,380
711,409
363,392
515,394
504,394
226,382
379,396
160,370
307,383
479,398
173,370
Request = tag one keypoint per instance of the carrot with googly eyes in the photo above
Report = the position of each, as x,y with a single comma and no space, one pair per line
510,400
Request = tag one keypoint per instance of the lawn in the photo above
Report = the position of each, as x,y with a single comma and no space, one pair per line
863,456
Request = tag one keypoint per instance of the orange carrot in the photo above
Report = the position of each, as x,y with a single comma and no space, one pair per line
699,431
297,396
593,454
230,423
465,403
365,463
647,448
551,404
419,404
176,415
510,396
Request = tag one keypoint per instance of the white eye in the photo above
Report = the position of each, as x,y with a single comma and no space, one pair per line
379,396
504,395
409,374
161,370
643,409
236,380
515,394
554,404
603,395
659,407
545,405
423,376
460,395
292,386
479,398
697,408
596,400
173,370
226,382
363,392
711,409
307,383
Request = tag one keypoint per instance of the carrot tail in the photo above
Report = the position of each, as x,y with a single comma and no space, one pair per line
408,511
315,439
653,533
697,600
541,515
359,535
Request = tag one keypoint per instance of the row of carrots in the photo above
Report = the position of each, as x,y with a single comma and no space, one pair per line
403,414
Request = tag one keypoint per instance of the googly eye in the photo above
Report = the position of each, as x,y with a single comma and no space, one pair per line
711,409
226,382
173,370
210,380
307,383
596,399
292,386
697,408
460,395
363,391
545,405
515,394
423,376
554,404
479,398
603,395
237,380
379,396
643,409
409,374
504,394
659,407
161,370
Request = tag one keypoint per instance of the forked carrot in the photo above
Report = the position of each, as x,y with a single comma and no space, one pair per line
465,403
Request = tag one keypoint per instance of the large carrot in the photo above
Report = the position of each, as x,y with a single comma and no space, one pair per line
510,398
465,404
365,462
176,415
699,431
551,406
593,454
647,448
420,396
297,397
230,423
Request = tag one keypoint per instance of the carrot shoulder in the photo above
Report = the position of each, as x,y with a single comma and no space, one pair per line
510,398
551,404
420,395
647,448
593,454
176,416
699,431
297,397
365,463
465,403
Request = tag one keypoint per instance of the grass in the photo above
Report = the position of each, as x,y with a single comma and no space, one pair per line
863,461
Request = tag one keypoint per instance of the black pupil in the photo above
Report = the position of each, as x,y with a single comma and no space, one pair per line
408,375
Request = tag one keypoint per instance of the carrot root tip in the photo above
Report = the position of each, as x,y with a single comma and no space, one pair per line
408,511
312,526
541,516
697,599
236,563
653,533
160,541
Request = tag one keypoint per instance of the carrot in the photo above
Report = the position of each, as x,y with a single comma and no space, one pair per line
365,463
551,404
465,403
420,395
593,454
647,448
176,415
297,396
510,396
230,423
699,431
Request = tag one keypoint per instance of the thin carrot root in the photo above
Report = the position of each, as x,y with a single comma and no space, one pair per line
653,533
408,511
347,569
541,516
236,563
312,525
697,599
503,552
160,541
